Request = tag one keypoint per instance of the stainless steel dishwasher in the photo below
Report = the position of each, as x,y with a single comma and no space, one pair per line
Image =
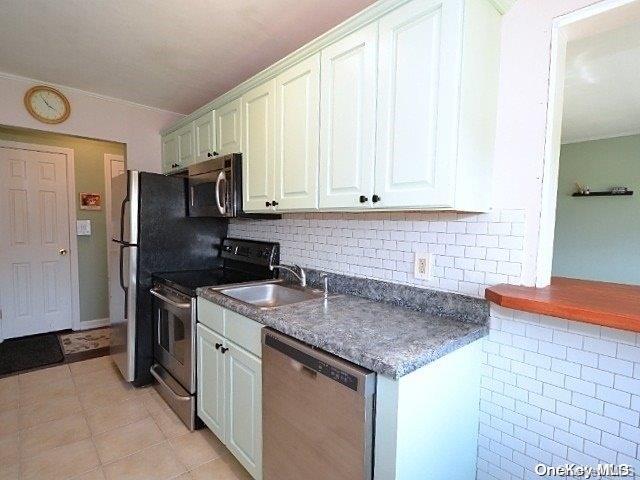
317,413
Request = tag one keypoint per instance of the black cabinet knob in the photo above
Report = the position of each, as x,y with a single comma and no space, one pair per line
375,199
267,204
218,345
363,199
274,203
224,350
209,154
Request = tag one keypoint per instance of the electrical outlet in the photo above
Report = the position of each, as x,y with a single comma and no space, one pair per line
422,267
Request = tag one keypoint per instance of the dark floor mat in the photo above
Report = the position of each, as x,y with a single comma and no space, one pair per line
29,352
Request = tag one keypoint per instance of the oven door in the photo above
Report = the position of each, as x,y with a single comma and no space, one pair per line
174,342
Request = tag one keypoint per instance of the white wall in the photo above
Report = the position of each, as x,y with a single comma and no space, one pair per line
522,110
94,117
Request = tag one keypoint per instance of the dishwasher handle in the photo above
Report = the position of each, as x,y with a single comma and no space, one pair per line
313,361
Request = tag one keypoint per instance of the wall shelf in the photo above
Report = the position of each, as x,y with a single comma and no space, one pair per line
603,194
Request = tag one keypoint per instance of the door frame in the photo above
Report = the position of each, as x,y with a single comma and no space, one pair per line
71,201
108,157
561,29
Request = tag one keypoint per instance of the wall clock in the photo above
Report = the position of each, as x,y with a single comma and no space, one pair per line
47,104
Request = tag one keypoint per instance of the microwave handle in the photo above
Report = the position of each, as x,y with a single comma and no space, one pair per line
221,177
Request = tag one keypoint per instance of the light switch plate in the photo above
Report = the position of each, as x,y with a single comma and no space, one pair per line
83,227
422,267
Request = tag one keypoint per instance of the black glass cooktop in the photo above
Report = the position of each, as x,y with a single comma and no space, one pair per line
188,281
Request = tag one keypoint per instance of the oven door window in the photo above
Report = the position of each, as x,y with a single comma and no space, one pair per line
173,335
203,195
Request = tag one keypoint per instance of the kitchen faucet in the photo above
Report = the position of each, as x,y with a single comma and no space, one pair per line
302,276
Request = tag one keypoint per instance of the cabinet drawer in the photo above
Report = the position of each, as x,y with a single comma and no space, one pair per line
211,315
244,332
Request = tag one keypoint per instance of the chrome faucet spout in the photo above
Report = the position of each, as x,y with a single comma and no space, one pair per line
301,276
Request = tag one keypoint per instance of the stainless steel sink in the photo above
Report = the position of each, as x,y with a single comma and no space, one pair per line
271,295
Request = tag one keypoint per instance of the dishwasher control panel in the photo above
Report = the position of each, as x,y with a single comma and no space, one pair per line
338,375
313,363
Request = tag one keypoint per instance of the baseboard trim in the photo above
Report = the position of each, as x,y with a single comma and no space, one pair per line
95,323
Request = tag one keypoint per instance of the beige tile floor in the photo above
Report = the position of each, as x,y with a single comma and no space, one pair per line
81,421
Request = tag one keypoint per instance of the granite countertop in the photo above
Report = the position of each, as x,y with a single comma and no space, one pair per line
384,338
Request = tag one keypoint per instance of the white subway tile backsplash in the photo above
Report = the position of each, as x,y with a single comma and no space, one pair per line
365,244
576,386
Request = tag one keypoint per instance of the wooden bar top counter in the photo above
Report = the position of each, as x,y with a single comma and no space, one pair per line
601,303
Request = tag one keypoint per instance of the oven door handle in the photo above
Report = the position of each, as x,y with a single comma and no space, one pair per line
157,376
156,293
221,178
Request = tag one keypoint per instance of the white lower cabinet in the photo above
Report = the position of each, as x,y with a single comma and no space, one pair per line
244,408
229,376
211,380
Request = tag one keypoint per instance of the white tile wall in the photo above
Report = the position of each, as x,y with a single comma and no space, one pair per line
470,251
556,392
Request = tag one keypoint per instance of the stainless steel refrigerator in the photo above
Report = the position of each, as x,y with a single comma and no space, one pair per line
152,234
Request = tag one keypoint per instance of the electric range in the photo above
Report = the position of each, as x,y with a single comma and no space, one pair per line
175,314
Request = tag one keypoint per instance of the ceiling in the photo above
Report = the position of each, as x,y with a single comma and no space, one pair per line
176,56
602,87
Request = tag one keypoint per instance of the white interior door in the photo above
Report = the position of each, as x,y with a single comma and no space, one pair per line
35,266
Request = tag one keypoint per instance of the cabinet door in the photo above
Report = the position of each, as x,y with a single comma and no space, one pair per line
205,136
244,408
186,145
211,380
347,120
258,148
169,152
417,104
229,128
297,135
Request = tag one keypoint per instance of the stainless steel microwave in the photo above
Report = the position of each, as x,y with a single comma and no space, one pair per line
215,187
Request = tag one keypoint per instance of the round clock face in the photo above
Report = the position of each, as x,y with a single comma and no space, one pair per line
47,104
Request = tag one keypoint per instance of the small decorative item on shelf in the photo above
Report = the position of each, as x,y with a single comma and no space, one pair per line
585,191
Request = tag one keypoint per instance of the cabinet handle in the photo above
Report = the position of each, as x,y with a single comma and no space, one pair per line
209,154
218,345
224,350
274,203
363,199
375,199
267,204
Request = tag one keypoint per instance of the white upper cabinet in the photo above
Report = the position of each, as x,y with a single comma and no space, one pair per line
418,68
170,152
297,136
258,147
228,122
396,112
204,128
186,145
348,120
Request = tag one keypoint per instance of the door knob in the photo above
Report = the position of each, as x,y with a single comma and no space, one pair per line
274,203
363,199
375,199
63,251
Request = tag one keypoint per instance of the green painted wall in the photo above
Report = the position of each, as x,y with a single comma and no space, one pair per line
89,173
599,238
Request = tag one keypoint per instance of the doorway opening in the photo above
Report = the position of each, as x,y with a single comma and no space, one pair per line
590,221
53,260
